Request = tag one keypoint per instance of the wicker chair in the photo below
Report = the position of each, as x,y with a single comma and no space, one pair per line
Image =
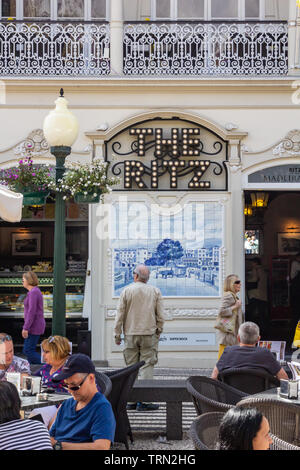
284,418
122,382
204,430
249,380
211,395
104,383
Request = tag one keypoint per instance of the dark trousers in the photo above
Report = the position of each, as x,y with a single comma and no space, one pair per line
29,349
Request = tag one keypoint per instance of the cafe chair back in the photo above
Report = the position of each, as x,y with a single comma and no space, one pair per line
122,382
104,383
204,433
283,417
248,380
204,430
211,395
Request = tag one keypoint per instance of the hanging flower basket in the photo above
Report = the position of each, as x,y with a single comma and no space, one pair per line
37,198
88,198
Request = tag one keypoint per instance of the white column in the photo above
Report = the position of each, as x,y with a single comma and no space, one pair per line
237,212
116,37
294,38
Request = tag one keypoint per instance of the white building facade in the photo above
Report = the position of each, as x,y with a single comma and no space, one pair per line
194,105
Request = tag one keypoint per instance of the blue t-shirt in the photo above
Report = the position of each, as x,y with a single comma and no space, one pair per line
95,421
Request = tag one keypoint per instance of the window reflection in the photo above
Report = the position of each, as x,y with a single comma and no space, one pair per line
70,8
191,9
252,8
224,9
8,8
163,9
99,9
36,8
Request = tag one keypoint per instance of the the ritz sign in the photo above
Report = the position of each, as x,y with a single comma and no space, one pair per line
180,160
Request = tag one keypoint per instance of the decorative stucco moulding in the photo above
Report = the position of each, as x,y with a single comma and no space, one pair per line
178,313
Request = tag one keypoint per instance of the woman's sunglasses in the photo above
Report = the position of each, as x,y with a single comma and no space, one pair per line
237,282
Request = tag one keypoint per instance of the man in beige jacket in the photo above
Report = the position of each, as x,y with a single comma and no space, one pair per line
140,316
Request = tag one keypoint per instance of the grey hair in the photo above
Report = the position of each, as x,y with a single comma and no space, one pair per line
143,272
248,332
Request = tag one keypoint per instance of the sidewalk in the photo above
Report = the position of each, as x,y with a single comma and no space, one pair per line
149,428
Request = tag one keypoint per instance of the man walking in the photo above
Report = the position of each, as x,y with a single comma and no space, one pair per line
140,316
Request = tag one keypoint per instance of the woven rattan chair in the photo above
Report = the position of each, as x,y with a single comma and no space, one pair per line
211,395
104,382
283,417
249,380
204,430
122,382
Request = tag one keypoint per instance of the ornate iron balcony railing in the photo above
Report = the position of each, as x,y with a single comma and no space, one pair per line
212,49
54,49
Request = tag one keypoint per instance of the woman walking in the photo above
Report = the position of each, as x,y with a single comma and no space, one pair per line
34,321
230,314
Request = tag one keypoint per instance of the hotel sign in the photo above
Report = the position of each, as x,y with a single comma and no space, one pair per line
168,154
285,174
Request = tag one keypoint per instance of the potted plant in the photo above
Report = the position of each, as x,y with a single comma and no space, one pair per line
33,181
86,182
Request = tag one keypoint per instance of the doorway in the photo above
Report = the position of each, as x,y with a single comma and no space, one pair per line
271,242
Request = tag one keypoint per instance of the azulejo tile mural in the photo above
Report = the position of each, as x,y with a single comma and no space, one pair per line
180,247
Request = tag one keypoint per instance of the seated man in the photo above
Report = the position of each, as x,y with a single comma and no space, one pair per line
247,355
9,362
86,421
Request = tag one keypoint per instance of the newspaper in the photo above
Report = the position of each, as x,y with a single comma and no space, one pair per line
276,347
295,369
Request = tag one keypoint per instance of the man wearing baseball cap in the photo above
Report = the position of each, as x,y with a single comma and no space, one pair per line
86,421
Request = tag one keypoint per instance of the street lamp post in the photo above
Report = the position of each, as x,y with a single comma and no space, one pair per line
61,130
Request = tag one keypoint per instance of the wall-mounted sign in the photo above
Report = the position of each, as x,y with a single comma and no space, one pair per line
155,155
276,174
183,339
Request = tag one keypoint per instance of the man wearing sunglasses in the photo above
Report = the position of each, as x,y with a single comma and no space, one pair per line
86,421
8,361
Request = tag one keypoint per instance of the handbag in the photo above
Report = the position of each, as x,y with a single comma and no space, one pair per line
227,324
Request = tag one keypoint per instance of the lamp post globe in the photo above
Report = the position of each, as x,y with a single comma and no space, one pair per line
60,125
61,130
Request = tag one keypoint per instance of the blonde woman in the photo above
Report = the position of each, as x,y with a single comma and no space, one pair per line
231,312
56,350
34,321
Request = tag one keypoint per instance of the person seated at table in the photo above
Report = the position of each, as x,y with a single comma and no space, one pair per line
247,355
86,421
17,433
8,361
244,429
55,350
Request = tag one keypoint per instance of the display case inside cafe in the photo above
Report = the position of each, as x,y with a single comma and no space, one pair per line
29,246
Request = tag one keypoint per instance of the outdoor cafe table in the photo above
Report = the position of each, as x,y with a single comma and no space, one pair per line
273,393
29,403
